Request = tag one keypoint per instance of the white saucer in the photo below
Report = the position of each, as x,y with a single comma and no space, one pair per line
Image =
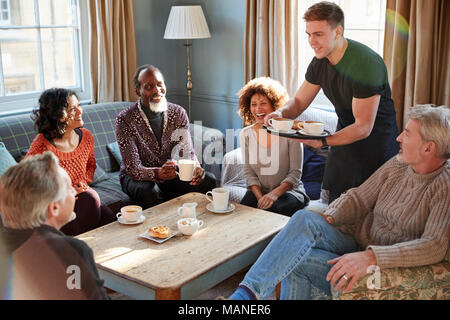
210,207
302,131
290,131
123,221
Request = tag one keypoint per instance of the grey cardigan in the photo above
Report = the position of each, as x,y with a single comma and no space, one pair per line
270,167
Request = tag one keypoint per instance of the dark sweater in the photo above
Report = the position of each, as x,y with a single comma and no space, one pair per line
43,263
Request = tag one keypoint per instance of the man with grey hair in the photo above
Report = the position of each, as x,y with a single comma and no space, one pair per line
37,260
399,217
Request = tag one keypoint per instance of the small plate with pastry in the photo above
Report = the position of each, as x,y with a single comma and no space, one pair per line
158,234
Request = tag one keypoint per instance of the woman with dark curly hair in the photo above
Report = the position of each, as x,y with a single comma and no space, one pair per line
273,164
58,121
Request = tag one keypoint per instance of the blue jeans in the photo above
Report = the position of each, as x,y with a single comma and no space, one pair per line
297,257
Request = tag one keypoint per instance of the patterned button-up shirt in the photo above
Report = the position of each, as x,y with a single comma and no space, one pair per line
142,154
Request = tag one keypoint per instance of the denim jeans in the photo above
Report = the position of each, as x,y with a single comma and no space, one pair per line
297,257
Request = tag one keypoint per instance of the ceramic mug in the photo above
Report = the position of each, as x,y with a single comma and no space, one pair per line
313,127
130,213
189,226
220,198
186,169
281,124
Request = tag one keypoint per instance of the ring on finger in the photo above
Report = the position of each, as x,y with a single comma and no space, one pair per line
345,277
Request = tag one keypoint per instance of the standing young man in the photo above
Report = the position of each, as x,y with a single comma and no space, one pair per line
354,78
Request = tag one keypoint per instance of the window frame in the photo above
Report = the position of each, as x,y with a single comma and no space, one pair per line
25,102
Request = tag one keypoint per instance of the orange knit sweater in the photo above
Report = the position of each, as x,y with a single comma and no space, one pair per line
80,164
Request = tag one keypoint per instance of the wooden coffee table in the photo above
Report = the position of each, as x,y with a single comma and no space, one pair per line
184,266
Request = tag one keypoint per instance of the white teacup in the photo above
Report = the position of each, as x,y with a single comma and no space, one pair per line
313,127
220,198
188,210
130,213
189,226
186,169
281,124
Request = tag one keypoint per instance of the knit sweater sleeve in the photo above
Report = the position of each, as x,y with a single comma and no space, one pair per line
432,246
91,164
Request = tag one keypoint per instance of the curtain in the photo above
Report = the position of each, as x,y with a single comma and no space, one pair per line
272,41
113,50
417,53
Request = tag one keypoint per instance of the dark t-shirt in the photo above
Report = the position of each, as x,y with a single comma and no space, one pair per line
43,263
361,73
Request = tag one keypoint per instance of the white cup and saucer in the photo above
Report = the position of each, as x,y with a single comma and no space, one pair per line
282,125
130,215
219,203
313,128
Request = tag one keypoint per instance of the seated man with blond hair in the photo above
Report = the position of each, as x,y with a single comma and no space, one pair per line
399,217
37,260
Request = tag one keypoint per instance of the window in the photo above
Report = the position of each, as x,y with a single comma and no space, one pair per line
40,48
364,22
4,12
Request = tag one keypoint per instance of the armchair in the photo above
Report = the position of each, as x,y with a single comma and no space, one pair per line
431,282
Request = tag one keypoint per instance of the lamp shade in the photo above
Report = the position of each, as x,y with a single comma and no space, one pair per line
186,22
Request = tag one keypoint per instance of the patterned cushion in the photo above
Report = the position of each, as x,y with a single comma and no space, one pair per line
431,282
6,159
115,151
110,192
99,176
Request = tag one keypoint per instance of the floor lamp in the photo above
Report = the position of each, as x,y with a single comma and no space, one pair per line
187,22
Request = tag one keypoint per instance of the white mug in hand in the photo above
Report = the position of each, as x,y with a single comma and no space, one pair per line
220,198
186,169
188,210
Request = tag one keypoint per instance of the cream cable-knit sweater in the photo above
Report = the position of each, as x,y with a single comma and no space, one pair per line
402,216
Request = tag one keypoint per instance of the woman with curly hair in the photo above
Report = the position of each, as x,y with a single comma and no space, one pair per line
58,121
273,164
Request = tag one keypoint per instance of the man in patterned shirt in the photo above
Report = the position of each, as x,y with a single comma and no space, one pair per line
150,134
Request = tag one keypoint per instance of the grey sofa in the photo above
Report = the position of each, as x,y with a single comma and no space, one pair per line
17,133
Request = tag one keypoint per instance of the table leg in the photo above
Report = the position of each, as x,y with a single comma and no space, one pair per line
278,290
168,294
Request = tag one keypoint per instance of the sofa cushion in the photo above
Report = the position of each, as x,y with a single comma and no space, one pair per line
312,173
113,148
6,159
110,192
99,176
416,283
